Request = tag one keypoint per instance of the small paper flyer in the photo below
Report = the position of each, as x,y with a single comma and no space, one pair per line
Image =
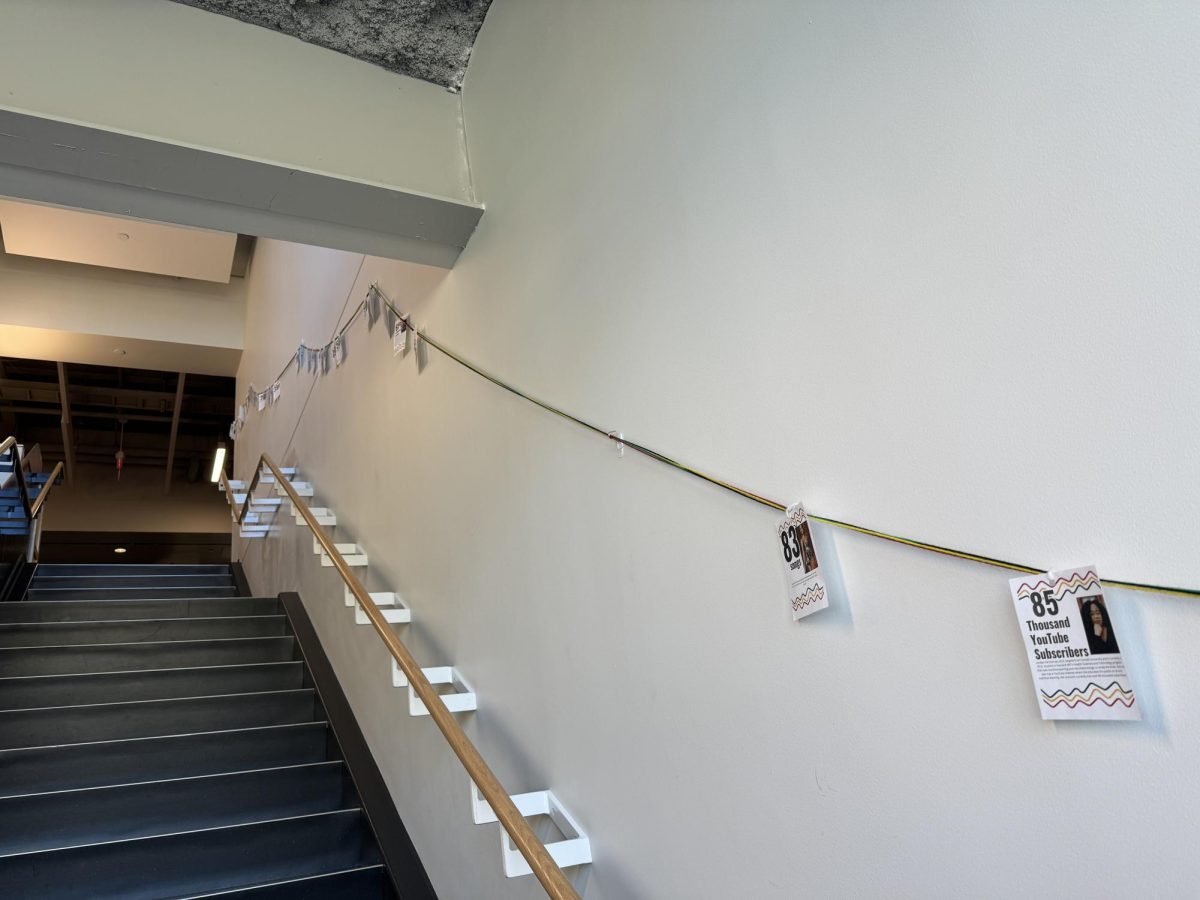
1078,672
806,585
399,337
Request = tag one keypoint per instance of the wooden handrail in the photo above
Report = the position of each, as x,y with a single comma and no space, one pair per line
545,869
40,500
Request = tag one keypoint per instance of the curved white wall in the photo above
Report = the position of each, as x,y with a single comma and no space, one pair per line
928,267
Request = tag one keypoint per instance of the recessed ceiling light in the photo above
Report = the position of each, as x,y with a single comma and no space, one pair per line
122,236
118,351
118,549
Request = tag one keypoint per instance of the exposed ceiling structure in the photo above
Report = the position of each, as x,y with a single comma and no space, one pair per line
426,39
155,419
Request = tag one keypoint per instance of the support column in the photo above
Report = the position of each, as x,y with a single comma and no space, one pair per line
174,432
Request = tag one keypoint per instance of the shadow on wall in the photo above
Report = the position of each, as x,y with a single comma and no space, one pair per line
97,501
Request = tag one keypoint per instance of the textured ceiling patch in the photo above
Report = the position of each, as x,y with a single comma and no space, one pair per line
426,39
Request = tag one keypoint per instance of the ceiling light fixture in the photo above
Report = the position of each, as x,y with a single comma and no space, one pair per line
118,549
218,463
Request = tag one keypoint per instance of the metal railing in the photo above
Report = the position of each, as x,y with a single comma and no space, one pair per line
545,869
32,508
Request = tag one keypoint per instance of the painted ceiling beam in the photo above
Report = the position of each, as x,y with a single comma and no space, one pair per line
169,113
51,161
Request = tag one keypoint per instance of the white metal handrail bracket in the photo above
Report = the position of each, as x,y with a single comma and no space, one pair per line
573,850
424,698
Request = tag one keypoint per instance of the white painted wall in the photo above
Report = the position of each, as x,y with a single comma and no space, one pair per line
166,71
63,311
927,267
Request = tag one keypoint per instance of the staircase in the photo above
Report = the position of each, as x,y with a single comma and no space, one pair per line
12,513
160,736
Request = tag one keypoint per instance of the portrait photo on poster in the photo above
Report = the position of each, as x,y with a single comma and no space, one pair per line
1096,625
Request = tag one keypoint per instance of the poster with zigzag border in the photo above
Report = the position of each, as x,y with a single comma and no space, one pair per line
1078,670
806,583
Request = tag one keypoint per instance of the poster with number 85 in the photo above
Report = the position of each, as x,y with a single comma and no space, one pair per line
1078,670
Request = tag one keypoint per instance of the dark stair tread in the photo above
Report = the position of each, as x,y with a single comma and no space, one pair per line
110,582
193,862
114,631
59,725
41,691
364,883
105,569
69,766
96,815
124,657
160,737
32,611
103,593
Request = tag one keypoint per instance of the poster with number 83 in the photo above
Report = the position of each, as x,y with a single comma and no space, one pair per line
806,584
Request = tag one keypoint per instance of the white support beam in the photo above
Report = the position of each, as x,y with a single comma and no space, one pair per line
50,161
328,150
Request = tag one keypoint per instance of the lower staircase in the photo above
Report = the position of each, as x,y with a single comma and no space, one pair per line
161,736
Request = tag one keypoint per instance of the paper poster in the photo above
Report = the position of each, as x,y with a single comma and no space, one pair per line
260,401
399,338
373,306
339,350
806,585
1078,672
275,389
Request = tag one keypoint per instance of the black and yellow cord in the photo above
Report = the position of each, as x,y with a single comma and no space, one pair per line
749,495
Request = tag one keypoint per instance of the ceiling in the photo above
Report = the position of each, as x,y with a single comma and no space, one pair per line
87,288
71,235
426,39
102,399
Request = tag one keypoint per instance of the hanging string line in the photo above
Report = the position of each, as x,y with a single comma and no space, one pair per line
742,492
341,332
